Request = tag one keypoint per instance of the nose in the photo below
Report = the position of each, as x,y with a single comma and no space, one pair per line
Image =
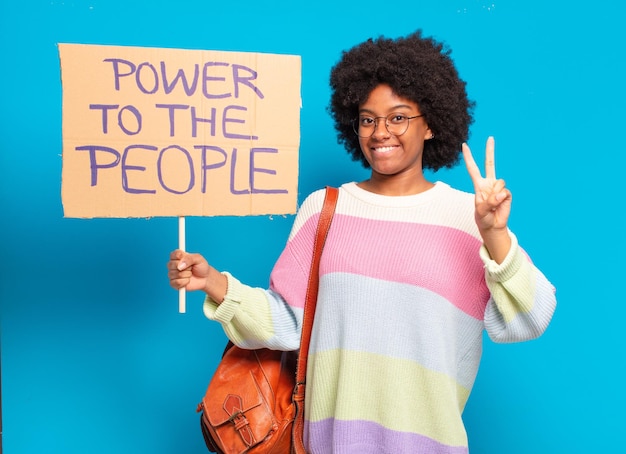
380,127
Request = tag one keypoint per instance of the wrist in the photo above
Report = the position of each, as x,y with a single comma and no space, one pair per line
498,243
216,286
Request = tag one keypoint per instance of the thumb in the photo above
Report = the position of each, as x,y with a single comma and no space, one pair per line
185,260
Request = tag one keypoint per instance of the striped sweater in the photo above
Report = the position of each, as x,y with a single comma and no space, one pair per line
406,291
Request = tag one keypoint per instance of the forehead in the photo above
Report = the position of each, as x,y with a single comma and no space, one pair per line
383,99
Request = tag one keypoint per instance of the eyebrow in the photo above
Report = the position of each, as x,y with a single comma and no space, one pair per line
399,106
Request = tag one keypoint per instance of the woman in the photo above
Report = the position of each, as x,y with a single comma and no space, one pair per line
412,272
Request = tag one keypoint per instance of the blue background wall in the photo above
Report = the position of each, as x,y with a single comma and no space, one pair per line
96,358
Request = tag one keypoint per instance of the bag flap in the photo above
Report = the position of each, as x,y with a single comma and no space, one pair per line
220,407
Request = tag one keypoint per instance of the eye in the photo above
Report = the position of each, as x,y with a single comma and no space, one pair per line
366,121
396,119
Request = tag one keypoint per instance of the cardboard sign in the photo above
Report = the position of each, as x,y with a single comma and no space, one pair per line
169,132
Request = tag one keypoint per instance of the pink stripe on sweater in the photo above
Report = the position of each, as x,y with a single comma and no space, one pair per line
441,259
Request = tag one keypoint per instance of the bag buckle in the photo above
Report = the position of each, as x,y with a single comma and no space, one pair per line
234,408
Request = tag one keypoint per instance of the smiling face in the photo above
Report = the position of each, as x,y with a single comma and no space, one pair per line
394,159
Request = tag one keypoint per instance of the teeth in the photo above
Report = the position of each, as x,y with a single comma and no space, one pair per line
384,149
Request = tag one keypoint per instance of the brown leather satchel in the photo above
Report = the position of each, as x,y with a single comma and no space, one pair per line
255,400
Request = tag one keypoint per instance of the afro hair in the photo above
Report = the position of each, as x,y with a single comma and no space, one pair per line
416,68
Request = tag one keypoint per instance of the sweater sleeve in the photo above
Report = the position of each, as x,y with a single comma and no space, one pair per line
522,300
249,317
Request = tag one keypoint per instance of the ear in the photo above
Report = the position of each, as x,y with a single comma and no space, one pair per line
429,134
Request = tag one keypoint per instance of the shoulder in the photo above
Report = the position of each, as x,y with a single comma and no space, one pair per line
308,211
455,196
312,204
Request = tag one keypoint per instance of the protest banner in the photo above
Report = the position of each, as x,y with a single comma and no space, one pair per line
171,132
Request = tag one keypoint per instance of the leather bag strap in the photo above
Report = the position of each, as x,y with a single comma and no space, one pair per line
326,216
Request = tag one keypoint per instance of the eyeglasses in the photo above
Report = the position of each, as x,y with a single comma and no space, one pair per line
396,124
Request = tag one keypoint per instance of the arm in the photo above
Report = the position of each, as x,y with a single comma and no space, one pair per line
522,299
247,314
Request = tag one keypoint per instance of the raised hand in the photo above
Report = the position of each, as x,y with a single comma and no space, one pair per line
493,202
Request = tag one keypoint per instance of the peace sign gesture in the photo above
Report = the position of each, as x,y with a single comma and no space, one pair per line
493,202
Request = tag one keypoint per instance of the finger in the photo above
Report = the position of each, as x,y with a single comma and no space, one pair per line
498,186
178,278
178,283
471,166
176,254
495,188
173,274
172,265
183,263
504,195
179,260
499,194
490,164
188,260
